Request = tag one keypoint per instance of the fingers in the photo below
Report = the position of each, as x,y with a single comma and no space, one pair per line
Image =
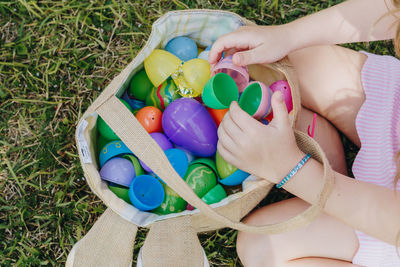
243,120
226,140
281,116
249,57
235,40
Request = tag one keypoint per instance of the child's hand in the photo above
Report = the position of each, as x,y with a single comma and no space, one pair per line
267,151
258,44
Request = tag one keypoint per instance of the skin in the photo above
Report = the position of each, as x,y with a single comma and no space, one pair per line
330,85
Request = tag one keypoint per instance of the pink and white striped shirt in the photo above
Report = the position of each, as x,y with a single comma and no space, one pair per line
378,126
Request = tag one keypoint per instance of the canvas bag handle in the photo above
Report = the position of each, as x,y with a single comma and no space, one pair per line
109,242
135,137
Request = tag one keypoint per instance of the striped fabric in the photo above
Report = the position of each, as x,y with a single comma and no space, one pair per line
378,126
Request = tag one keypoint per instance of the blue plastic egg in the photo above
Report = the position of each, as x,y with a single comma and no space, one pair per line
182,47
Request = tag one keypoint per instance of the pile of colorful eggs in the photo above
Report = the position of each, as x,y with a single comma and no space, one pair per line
164,97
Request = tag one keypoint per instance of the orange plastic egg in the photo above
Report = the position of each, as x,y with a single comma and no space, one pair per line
217,114
150,118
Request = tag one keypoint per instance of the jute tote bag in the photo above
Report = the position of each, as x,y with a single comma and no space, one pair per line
172,239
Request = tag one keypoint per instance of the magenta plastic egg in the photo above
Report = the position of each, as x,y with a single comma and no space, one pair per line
284,87
118,171
163,142
187,123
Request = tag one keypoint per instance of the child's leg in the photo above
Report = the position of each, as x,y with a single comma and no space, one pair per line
324,242
327,137
330,84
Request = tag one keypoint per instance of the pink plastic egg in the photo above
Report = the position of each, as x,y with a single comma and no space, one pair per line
284,87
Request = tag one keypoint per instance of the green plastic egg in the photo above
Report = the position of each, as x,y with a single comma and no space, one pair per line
216,194
208,162
140,85
200,178
105,130
101,142
121,192
136,164
172,203
224,168
163,95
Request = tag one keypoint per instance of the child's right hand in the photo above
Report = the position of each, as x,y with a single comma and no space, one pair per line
254,44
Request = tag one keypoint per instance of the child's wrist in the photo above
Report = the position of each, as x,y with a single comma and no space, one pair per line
287,164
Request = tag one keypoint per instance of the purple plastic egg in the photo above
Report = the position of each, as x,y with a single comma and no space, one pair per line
163,142
118,171
284,87
188,124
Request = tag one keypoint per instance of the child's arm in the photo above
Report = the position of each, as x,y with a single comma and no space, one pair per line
350,21
243,141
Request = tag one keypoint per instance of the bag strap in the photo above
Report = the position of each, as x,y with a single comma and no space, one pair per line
131,132
109,242
171,243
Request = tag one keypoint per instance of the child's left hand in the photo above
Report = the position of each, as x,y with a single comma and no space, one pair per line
267,151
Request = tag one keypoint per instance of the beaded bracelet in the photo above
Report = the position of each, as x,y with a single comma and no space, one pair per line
294,171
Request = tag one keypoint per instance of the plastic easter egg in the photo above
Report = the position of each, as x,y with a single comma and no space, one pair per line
217,114
229,174
256,100
146,192
200,178
119,171
215,195
150,118
111,150
284,87
240,74
204,55
101,142
265,121
163,142
140,85
183,47
162,95
220,91
188,124
207,162
160,65
120,191
235,178
172,202
136,164
189,154
133,103
196,72
105,130
178,160
224,168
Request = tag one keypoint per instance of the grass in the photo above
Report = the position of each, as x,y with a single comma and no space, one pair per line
55,58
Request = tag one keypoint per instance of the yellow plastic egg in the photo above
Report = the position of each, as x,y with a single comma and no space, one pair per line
160,65
196,72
